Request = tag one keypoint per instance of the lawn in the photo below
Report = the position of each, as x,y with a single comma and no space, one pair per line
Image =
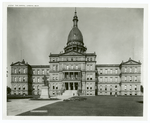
94,106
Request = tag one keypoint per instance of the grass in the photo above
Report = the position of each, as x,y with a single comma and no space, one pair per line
94,106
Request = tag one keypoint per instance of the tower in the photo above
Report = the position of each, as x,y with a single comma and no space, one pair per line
75,38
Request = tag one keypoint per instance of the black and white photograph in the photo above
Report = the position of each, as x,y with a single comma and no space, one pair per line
74,60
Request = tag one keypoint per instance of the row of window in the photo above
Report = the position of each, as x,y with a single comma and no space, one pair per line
19,87
71,67
107,88
72,59
130,78
39,72
89,76
108,79
108,71
131,87
111,93
89,93
130,69
19,70
20,79
39,79
89,66
36,87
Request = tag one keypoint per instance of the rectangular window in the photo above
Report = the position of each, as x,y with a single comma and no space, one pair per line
125,87
47,71
135,87
101,71
135,70
87,59
135,78
38,79
106,79
116,87
71,66
106,88
111,87
15,71
91,59
125,69
90,77
116,79
105,71
125,78
19,79
87,88
24,70
100,87
130,78
43,72
15,79
116,71
24,79
19,70
76,66
54,67
101,79
130,69
33,79
110,79
33,71
38,72
91,67
130,87
110,71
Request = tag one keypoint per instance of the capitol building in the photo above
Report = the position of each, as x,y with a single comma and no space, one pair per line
76,72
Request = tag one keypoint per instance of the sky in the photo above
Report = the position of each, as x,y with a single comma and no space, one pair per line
114,34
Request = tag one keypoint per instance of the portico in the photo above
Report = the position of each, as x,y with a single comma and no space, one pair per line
71,85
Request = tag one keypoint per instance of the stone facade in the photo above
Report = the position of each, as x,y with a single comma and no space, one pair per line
75,72
119,79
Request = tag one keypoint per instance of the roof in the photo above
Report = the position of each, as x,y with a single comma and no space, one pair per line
75,35
40,66
20,63
107,65
131,62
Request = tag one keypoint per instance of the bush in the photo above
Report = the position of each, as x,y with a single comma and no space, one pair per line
75,99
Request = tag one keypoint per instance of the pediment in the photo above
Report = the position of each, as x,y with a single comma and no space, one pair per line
72,53
131,62
18,64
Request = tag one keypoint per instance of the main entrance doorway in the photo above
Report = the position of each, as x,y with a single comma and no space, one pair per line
71,86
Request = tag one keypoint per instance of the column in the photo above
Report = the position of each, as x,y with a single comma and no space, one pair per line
73,86
69,74
73,75
68,85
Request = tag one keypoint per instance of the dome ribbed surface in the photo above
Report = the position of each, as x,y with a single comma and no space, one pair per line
75,35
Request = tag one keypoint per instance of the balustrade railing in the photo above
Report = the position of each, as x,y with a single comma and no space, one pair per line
72,78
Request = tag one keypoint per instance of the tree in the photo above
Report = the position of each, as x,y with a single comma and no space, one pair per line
8,90
142,89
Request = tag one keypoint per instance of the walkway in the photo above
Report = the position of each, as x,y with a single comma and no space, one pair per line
18,106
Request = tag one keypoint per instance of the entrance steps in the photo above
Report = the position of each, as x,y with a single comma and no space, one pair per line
67,94
70,93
